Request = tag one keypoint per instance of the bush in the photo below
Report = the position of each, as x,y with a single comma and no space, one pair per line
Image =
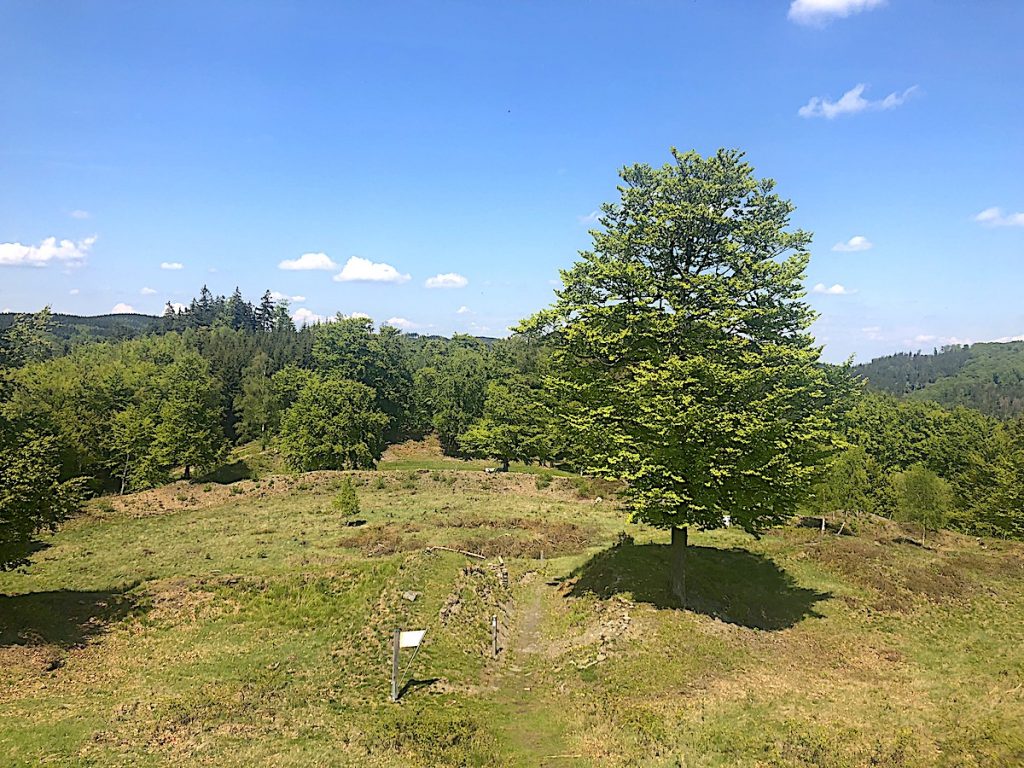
543,481
921,497
346,502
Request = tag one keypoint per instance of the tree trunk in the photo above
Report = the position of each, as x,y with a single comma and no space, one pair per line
124,476
188,472
504,465
678,565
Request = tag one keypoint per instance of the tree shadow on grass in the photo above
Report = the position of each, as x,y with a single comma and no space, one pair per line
228,473
732,585
66,618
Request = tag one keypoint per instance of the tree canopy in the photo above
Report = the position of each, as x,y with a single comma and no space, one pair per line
682,358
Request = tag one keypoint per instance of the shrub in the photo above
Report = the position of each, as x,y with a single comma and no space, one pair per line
346,502
921,497
543,481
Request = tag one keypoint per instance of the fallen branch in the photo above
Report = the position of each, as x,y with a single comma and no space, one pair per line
459,551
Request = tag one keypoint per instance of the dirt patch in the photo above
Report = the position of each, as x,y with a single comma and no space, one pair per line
524,537
380,541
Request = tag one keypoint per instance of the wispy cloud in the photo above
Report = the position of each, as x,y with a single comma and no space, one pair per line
820,12
855,243
852,102
994,217
66,251
80,214
147,291
590,218
463,310
121,309
872,332
308,261
832,290
358,269
447,280
74,292
171,265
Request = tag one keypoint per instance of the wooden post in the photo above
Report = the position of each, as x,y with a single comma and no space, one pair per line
678,564
494,634
394,665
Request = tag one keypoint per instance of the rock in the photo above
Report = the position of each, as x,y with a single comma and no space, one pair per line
411,596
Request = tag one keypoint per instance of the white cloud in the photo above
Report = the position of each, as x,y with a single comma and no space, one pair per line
463,310
178,306
590,218
171,265
819,12
401,322
147,291
855,243
278,296
73,292
309,261
67,251
852,102
80,214
121,308
357,269
447,280
361,315
832,290
303,316
1004,339
994,217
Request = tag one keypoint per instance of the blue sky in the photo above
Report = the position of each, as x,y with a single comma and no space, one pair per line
468,142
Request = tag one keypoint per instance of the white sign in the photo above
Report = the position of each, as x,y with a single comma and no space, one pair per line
411,639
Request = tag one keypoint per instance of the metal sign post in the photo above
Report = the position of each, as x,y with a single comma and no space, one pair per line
400,640
394,665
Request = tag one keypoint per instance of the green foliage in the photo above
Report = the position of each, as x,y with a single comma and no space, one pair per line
846,487
349,348
346,502
449,392
188,433
333,424
28,339
513,427
921,497
32,495
258,406
682,355
1002,512
987,377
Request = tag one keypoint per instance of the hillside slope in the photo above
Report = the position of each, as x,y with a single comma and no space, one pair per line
249,624
988,377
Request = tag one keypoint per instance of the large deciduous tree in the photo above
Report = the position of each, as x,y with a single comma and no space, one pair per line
32,495
682,359
333,424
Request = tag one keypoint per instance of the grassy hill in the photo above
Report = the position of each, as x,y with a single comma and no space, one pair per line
988,377
249,624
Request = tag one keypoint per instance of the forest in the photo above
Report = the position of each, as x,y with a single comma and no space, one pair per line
988,377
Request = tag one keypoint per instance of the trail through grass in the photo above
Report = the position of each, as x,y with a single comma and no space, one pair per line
249,624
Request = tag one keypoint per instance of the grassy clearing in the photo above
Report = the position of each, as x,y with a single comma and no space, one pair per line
252,627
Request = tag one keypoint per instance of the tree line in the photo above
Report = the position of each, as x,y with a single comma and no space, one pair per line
676,359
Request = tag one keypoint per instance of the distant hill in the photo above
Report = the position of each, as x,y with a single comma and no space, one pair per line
987,376
120,326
